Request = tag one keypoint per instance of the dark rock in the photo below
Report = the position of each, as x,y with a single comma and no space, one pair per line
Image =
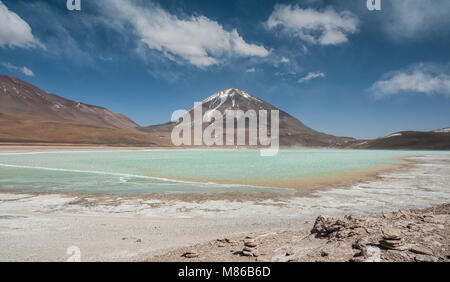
322,226
247,254
190,254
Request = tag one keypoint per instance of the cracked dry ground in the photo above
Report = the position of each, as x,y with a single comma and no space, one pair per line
403,236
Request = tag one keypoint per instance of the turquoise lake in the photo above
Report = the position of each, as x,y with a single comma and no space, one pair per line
180,171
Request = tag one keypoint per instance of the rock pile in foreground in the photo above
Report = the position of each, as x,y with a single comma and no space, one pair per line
399,236
403,236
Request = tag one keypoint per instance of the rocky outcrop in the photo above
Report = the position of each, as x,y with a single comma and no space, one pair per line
399,236
402,236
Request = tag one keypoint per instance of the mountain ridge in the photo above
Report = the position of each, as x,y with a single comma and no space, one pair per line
17,96
29,114
292,131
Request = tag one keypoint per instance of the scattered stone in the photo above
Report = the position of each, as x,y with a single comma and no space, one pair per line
392,238
362,252
247,254
425,258
248,249
360,243
322,226
190,254
391,244
403,236
138,241
358,259
421,250
392,233
251,244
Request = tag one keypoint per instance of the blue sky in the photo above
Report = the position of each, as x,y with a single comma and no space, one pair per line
335,65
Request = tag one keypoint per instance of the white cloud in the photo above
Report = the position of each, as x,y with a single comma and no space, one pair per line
198,40
326,27
14,31
284,60
422,78
26,71
251,70
409,19
311,75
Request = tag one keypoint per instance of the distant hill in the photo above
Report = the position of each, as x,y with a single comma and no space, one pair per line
409,140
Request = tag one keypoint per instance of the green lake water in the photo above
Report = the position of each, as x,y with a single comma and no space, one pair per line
179,171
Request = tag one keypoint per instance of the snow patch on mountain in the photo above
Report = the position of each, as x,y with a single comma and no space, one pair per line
236,97
443,130
218,99
393,135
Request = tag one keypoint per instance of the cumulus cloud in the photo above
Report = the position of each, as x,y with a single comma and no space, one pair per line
197,39
14,31
251,70
326,27
284,60
26,71
410,19
422,78
311,75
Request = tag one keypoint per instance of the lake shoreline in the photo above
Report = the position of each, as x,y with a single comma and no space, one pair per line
307,188
41,227
268,188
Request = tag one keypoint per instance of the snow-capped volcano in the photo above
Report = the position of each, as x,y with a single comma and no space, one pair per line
233,98
292,131
219,98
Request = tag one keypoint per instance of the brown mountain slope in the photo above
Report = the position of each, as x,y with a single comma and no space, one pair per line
29,129
292,131
20,98
29,114
409,140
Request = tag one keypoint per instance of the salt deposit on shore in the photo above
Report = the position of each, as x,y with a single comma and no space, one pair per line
40,227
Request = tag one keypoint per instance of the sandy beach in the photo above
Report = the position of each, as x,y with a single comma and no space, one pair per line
40,227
